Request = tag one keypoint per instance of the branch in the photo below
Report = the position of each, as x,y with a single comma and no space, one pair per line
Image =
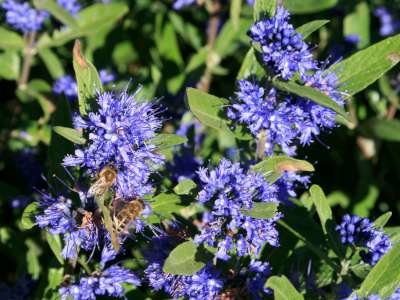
29,52
214,9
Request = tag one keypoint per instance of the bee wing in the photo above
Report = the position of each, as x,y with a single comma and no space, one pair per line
97,188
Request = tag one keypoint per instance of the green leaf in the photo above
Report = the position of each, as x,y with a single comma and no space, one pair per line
9,40
384,277
394,234
366,66
57,11
382,220
228,40
208,110
310,27
310,93
164,205
172,61
388,91
32,258
384,129
90,20
36,89
358,23
28,216
273,167
197,61
97,16
235,9
52,62
308,6
182,260
55,277
302,226
184,187
325,215
283,288
321,204
263,8
165,141
190,33
262,210
55,245
250,66
70,134
108,222
367,202
87,79
10,65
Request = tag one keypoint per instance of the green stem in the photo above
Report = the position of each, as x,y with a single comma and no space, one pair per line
312,247
29,52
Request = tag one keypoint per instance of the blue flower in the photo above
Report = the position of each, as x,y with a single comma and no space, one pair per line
395,295
107,283
288,184
28,165
23,17
389,25
361,232
80,228
227,191
205,284
20,201
22,289
119,135
179,4
56,214
257,275
72,6
285,120
106,76
283,49
191,126
183,166
66,85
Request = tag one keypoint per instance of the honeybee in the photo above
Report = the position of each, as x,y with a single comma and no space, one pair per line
87,219
106,179
125,212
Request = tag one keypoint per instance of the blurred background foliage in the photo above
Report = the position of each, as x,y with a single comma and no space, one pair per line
146,42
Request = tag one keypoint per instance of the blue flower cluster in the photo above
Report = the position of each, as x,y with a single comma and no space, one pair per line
227,191
361,232
119,135
22,289
208,283
394,296
283,49
67,86
205,284
284,119
389,25
106,283
72,6
179,4
80,229
23,17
